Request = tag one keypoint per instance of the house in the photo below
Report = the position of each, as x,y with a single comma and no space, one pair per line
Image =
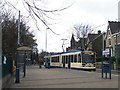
81,43
76,45
73,43
94,43
112,36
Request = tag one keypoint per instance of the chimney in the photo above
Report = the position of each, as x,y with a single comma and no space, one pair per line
99,32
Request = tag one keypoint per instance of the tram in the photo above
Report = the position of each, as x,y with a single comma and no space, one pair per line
76,59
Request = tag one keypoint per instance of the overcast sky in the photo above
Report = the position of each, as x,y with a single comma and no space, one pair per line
92,12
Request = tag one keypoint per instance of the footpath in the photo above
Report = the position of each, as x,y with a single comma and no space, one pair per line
63,78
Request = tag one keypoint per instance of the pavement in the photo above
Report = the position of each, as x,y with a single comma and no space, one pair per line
112,71
63,78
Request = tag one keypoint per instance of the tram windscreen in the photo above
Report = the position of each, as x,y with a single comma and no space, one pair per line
88,58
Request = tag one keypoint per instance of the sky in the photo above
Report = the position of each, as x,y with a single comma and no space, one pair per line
96,13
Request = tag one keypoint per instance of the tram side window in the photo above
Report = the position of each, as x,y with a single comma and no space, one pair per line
63,59
69,58
55,59
75,58
79,58
72,58
66,59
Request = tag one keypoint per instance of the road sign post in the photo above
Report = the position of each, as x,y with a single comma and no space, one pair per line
110,63
106,67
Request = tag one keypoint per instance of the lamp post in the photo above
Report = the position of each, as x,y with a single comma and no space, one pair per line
1,54
17,58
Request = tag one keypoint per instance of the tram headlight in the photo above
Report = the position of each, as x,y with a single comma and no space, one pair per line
83,64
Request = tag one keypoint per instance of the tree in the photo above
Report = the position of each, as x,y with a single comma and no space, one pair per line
9,34
39,13
41,57
81,32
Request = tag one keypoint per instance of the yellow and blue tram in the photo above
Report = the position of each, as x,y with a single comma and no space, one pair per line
76,59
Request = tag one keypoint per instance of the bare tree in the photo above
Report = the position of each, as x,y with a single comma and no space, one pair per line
36,12
1,8
82,31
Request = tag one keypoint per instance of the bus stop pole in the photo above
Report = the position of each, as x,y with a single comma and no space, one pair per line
102,66
102,52
110,62
24,66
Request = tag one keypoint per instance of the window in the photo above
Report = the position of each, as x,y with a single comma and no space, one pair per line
115,40
109,41
75,58
72,58
55,59
63,59
118,39
66,59
79,58
109,33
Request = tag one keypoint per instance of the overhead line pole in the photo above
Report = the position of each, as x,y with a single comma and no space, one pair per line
63,44
46,40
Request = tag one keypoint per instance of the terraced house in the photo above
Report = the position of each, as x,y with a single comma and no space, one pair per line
113,37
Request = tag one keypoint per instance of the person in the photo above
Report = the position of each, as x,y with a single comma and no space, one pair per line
48,63
40,63
34,62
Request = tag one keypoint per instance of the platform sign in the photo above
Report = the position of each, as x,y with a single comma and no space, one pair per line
106,52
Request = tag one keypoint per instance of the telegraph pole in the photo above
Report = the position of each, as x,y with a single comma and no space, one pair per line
63,44
46,40
47,62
